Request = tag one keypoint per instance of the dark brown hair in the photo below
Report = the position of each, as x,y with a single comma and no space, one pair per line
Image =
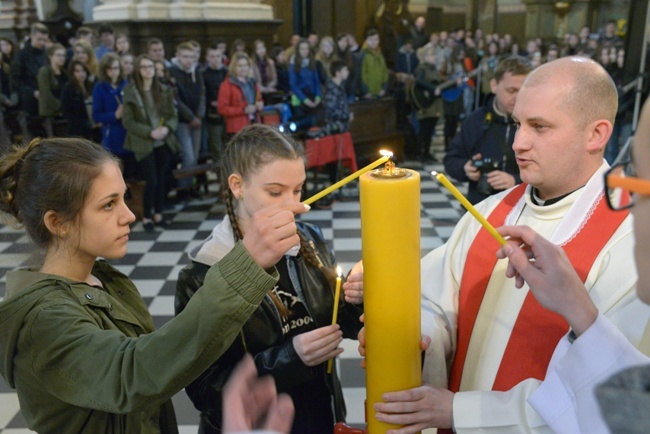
514,64
53,174
105,63
156,88
297,60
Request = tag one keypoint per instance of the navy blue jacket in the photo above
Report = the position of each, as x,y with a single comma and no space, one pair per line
488,133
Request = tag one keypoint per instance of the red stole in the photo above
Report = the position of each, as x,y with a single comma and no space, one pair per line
537,330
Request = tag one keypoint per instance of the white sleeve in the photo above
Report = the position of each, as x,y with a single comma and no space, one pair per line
566,397
498,412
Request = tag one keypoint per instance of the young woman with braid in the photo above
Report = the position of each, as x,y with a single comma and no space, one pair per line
77,341
290,335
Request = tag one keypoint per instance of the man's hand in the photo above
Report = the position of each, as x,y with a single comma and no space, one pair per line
420,408
195,123
119,112
500,180
470,171
320,345
159,133
353,286
549,274
272,232
252,403
250,109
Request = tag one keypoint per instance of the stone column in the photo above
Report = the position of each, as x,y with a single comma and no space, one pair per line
186,9
152,10
114,10
237,10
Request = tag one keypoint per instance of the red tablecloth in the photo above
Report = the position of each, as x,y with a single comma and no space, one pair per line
330,149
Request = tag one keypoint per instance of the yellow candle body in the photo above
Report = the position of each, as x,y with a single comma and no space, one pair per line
390,236
335,315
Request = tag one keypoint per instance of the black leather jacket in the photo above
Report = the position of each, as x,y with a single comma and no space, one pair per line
262,337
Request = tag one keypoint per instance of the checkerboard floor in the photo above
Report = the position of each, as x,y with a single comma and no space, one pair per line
154,260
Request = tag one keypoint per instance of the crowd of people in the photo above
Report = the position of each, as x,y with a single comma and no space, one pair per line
79,344
49,90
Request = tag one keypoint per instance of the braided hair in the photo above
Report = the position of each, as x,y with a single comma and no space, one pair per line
53,174
255,146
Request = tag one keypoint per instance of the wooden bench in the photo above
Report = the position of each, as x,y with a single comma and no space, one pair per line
374,128
200,171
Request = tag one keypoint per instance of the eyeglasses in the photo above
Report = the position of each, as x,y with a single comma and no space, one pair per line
621,185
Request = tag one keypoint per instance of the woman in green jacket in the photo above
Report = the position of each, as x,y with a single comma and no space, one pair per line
150,120
76,339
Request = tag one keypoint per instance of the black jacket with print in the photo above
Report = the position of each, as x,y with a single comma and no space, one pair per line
262,337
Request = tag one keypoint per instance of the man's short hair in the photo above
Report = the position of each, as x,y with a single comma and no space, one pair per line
184,46
83,31
105,28
336,66
514,64
39,28
371,32
153,41
341,36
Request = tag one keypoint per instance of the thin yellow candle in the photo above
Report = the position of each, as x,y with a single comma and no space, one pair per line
335,312
355,175
469,207
390,240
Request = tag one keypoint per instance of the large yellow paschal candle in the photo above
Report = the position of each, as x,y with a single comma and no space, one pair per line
390,236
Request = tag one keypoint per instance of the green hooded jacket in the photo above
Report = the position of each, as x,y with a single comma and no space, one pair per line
85,359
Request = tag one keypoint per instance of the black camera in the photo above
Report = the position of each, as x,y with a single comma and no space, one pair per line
485,165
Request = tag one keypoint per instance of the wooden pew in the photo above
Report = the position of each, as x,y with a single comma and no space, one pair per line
374,128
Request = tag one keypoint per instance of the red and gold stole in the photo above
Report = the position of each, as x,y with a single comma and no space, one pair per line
537,330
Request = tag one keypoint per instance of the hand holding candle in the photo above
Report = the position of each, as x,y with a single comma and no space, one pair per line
355,175
335,312
469,207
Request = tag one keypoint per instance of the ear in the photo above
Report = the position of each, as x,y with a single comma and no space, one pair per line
599,134
54,225
236,184
493,85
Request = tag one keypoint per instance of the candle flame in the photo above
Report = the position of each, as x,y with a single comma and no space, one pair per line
386,153
434,173
339,271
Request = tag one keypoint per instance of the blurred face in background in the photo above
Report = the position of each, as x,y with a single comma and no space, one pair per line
157,51
372,42
80,54
127,64
79,73
260,50
303,49
122,45
113,71
39,40
214,58
58,58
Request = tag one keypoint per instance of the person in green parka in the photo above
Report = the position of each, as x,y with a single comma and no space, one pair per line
374,72
77,341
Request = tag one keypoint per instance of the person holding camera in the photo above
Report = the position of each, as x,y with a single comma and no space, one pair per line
482,152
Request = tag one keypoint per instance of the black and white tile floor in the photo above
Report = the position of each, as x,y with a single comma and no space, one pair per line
154,260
